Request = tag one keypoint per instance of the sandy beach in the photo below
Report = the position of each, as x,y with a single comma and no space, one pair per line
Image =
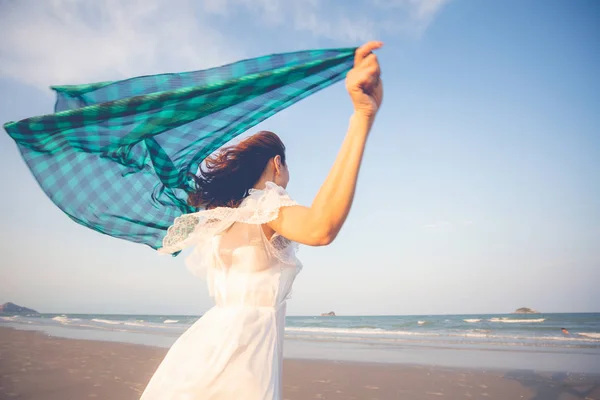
35,366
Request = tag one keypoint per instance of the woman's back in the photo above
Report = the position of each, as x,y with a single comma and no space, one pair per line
250,269
236,348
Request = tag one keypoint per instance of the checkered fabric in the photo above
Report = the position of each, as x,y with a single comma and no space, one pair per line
115,156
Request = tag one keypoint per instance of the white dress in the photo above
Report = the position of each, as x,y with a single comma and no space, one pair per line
235,350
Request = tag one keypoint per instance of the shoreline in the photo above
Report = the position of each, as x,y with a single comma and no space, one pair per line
491,355
37,366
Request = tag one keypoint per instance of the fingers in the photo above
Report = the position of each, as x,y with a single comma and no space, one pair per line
371,64
365,76
365,50
368,62
367,73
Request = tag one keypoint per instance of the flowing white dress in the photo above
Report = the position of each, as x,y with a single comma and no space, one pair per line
235,350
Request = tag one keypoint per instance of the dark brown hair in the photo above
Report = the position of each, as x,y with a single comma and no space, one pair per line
230,173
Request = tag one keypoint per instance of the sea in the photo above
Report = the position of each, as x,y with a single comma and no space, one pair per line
489,341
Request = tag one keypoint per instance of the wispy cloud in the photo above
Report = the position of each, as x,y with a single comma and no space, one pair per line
411,16
421,10
317,18
356,21
70,41
75,41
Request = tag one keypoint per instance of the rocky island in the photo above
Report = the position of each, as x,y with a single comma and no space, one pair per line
12,308
525,310
328,314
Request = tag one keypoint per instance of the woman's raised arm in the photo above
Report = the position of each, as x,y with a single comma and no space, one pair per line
320,223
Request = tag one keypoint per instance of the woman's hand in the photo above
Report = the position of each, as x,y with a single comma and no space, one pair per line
363,81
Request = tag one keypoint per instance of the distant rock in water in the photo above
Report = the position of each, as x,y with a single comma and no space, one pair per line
12,308
525,310
328,314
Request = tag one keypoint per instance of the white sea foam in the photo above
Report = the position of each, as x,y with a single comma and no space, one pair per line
421,322
472,320
106,321
517,321
476,335
359,332
487,334
593,335
373,333
62,319
170,321
9,318
134,324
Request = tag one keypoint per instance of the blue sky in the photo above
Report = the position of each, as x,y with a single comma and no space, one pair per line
480,190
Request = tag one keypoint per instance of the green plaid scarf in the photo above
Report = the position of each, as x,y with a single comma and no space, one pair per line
115,156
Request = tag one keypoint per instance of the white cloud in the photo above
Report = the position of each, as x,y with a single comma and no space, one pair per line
417,14
418,9
57,42
318,18
345,21
426,9
70,41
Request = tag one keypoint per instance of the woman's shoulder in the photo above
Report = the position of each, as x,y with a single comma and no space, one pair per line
259,207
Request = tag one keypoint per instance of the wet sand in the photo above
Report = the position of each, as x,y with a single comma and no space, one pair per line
34,366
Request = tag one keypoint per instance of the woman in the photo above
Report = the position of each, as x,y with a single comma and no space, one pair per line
245,246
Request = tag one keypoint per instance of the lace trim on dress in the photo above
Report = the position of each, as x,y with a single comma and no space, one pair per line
198,229
259,207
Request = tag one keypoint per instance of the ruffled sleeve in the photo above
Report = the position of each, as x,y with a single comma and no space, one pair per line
198,229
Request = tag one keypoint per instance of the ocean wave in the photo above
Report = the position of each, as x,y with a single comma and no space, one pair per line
170,321
351,331
593,335
106,321
421,322
134,324
476,335
9,318
364,327
63,319
490,334
114,325
383,335
517,321
472,320
518,338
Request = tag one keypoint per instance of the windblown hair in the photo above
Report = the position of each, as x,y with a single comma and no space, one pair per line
227,176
